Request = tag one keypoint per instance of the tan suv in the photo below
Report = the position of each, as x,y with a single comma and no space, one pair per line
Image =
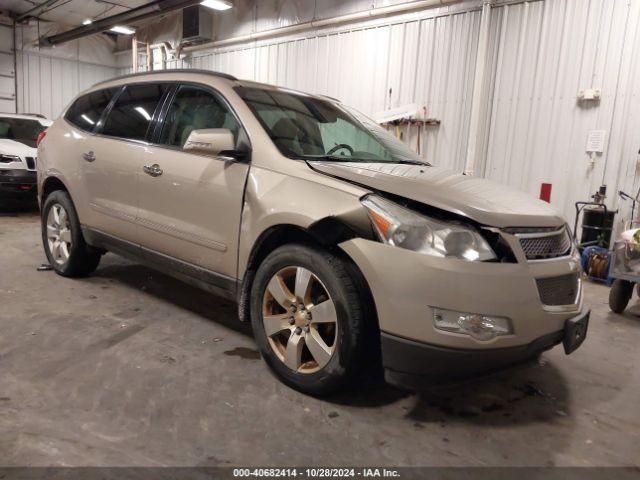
338,243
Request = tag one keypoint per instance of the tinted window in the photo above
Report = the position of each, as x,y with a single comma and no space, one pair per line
131,114
20,130
86,111
194,108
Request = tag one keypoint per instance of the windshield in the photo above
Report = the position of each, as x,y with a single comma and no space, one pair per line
21,130
310,128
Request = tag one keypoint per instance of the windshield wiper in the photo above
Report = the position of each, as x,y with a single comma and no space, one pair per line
334,158
338,158
409,162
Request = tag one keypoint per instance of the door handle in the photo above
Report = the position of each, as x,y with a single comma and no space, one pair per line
89,156
153,170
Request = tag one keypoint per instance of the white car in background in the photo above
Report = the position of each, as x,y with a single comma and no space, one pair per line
19,135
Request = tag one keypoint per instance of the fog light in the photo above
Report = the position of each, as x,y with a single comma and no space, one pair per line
480,327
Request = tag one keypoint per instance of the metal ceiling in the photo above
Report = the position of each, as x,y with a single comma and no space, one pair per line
129,17
69,12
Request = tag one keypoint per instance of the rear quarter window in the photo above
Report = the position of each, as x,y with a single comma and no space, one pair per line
87,110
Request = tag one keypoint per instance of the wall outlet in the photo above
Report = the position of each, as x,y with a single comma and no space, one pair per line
589,94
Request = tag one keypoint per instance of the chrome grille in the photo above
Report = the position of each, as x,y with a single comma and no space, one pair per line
544,244
562,290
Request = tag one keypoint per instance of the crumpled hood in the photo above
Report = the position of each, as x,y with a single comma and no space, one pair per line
487,202
11,147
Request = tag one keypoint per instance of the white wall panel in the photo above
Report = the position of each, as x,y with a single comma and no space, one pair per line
48,78
623,156
47,84
545,53
7,70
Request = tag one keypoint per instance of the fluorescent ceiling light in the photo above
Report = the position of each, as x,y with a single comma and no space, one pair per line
87,119
217,4
123,30
88,21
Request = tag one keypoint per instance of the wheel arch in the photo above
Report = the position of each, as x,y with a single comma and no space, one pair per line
326,233
270,239
51,184
54,183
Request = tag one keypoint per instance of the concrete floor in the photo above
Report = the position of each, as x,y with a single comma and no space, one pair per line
129,367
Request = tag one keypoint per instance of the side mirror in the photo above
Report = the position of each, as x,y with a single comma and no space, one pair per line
211,141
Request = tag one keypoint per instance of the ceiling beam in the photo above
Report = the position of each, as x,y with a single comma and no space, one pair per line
29,13
144,12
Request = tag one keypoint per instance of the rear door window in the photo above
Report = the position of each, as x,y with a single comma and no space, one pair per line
132,114
86,110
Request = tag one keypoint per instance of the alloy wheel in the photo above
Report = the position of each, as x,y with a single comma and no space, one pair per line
59,234
300,320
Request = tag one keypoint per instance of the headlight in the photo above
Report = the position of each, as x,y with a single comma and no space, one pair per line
407,229
4,158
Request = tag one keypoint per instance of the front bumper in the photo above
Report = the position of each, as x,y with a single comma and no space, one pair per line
18,179
414,365
407,286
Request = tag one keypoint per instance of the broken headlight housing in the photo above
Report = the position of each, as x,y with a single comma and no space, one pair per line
404,228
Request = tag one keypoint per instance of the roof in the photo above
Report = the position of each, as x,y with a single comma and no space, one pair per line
226,76
254,84
168,71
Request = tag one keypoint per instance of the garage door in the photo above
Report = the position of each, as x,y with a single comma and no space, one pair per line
7,71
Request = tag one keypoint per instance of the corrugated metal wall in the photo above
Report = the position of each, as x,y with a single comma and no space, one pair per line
7,70
48,78
47,84
541,54
536,129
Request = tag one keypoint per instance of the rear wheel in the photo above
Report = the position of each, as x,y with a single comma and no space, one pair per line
64,245
620,294
307,318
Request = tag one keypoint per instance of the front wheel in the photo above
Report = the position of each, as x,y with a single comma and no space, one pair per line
64,245
307,318
619,295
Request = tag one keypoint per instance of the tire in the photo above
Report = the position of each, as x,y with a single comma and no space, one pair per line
311,371
619,295
72,257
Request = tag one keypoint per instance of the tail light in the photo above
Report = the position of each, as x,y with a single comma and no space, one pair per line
41,136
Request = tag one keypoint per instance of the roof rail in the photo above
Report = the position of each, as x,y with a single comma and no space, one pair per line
39,115
170,70
333,99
